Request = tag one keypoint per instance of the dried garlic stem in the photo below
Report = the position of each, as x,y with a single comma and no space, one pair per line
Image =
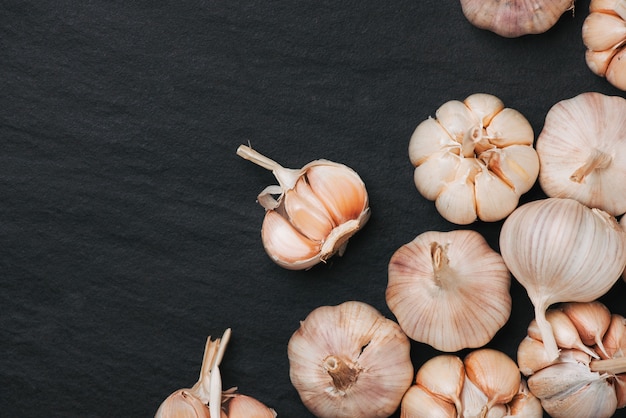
597,160
547,334
441,268
285,176
343,375
612,366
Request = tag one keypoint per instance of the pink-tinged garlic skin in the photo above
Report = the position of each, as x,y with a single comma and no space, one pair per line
582,151
622,223
449,289
350,361
604,36
514,18
577,383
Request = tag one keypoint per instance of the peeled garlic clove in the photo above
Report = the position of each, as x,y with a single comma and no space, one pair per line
591,320
243,406
564,331
443,376
582,151
449,289
557,249
349,360
318,209
469,159
494,373
515,18
419,403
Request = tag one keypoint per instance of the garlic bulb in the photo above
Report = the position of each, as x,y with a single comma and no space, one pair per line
604,36
474,159
486,384
449,289
350,361
587,381
319,207
582,151
206,398
515,18
562,251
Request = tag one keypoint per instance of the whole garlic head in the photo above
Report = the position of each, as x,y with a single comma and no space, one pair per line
604,36
449,289
587,380
350,361
562,251
582,151
474,159
485,384
515,18
319,207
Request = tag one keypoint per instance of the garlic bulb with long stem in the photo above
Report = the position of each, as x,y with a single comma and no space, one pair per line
515,18
449,289
604,36
582,151
318,208
474,159
485,384
562,251
349,361
585,382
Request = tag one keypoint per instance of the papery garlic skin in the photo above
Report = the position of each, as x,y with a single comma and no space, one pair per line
560,251
486,384
604,36
449,289
515,18
350,361
243,406
474,159
318,209
577,384
582,151
622,223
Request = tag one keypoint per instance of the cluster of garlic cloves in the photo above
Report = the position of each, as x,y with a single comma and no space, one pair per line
604,36
588,378
474,159
582,151
206,399
515,18
449,289
349,361
562,251
485,384
318,208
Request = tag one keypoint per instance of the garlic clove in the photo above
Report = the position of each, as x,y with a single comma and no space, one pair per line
433,175
524,404
510,127
182,404
449,289
286,246
515,18
305,212
349,360
494,373
456,119
484,106
564,331
616,70
474,401
598,61
443,377
518,164
591,320
602,31
532,355
439,139
614,340
494,199
419,403
456,201
620,390
243,406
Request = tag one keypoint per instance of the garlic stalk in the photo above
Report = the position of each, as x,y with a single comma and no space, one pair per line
582,151
604,36
474,159
318,208
485,384
562,251
349,361
449,289
586,382
515,18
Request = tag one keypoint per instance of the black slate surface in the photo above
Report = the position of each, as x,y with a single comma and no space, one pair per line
129,230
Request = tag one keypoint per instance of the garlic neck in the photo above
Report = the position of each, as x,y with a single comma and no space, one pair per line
612,366
469,141
343,375
597,160
286,177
